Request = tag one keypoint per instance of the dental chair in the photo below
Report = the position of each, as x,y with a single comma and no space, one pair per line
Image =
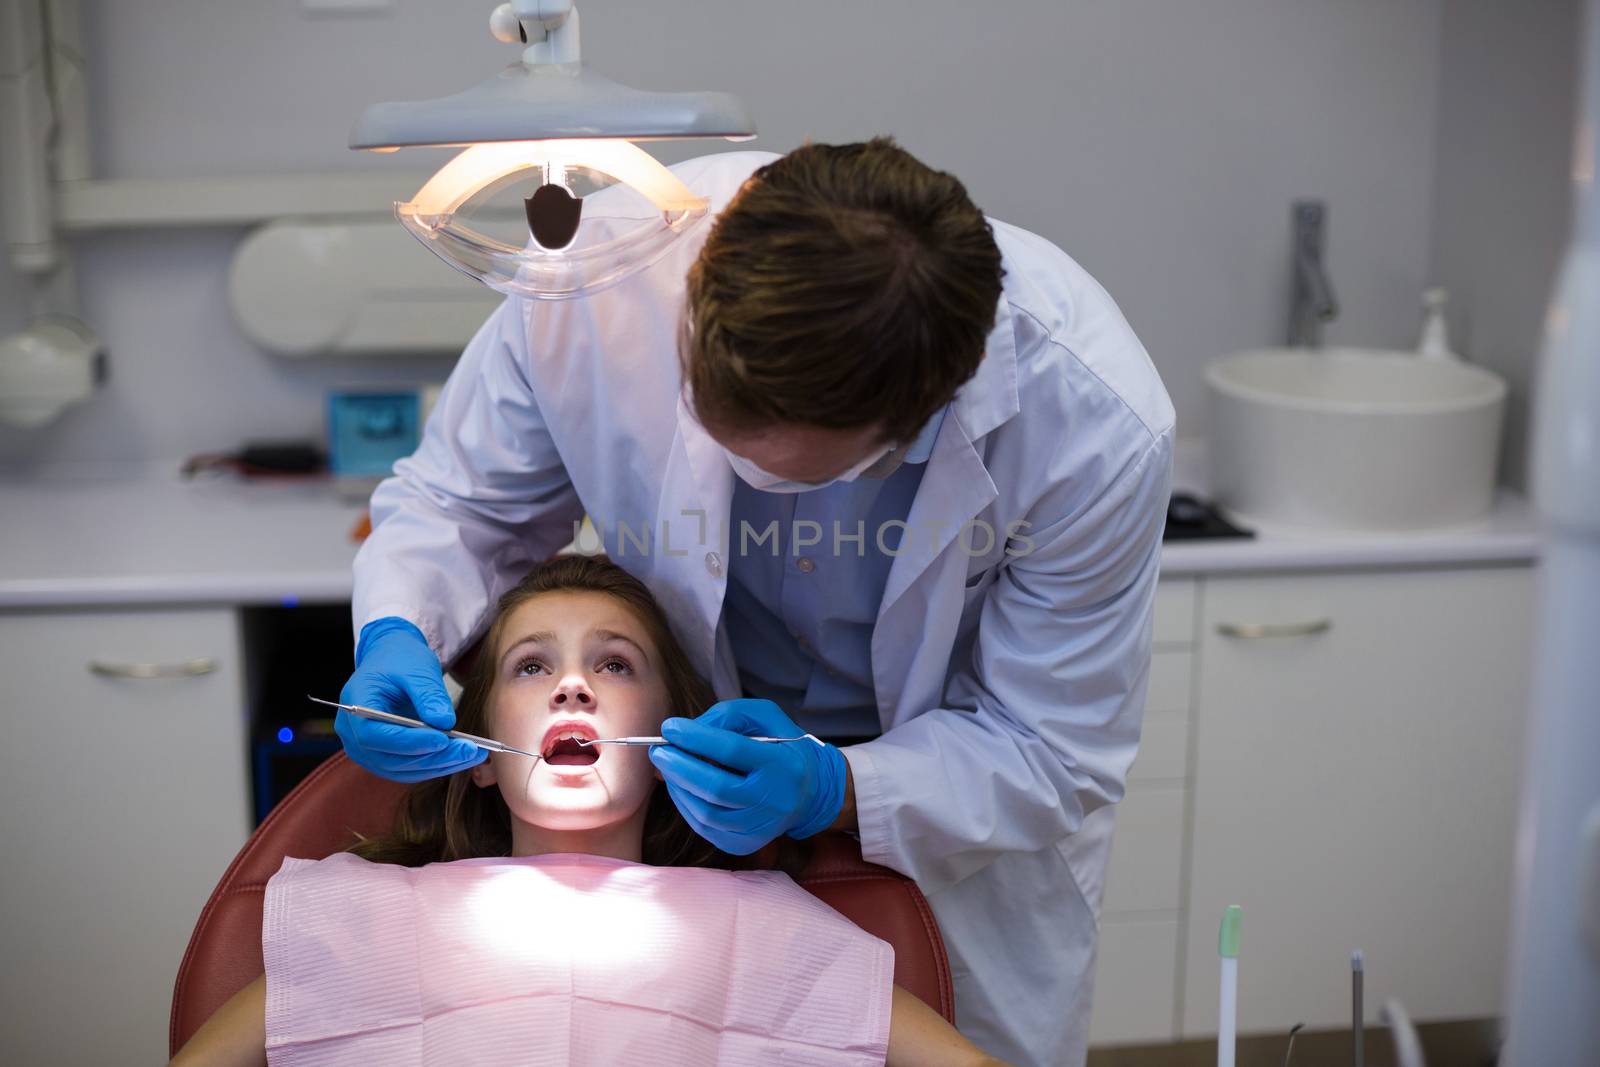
339,799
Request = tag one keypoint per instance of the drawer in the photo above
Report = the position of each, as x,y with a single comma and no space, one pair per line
1135,982
1163,748
124,794
1164,743
1169,681
1175,604
1146,850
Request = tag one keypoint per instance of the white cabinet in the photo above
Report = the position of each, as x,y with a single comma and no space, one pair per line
1352,785
122,800
1355,786
1136,973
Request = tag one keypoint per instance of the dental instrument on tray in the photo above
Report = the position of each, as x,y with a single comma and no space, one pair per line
1228,984
1407,1045
1288,1050
488,743
1358,1013
587,741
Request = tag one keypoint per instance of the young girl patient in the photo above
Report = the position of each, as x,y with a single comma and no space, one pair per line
560,911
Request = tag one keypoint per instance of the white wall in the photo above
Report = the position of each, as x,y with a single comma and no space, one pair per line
1507,110
1159,141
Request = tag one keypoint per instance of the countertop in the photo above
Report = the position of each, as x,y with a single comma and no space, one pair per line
141,535
1508,534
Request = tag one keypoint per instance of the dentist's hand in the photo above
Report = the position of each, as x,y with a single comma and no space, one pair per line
397,671
796,787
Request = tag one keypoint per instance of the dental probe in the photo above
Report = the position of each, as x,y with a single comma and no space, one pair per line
488,743
586,742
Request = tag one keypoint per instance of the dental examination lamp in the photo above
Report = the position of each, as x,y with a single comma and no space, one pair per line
550,198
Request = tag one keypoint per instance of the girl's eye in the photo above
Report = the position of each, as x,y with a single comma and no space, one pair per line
529,666
615,665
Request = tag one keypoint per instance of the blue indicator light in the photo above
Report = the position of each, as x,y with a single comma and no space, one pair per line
290,601
285,734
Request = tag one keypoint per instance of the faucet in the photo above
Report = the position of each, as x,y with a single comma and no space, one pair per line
1312,303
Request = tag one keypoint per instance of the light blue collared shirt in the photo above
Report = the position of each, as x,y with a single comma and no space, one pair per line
800,615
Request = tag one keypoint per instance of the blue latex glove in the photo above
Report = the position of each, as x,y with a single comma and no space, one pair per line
397,671
769,789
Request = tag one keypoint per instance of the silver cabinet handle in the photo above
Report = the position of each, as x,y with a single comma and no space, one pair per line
186,669
1254,630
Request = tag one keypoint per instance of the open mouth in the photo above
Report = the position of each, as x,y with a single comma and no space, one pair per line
561,747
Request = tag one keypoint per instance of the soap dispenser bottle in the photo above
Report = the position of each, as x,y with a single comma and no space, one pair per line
1435,340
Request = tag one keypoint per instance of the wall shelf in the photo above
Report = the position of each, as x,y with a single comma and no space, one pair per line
245,200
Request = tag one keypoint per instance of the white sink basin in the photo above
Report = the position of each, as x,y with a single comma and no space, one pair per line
1353,438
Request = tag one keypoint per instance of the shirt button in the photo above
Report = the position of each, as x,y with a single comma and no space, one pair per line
805,564
713,564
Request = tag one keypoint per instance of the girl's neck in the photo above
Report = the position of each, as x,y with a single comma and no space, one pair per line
618,841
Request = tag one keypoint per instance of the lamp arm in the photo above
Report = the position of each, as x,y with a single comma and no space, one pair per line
549,28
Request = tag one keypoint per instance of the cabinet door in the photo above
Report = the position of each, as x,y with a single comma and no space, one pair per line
1136,969
122,800
1357,788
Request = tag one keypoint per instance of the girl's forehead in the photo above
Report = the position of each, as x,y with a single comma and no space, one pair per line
570,614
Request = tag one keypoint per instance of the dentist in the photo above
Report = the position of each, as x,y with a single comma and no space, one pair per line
897,474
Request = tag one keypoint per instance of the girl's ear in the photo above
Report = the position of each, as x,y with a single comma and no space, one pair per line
483,775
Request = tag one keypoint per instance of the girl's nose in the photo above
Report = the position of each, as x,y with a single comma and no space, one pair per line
572,694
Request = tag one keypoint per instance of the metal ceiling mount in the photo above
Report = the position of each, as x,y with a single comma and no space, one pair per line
549,93
549,118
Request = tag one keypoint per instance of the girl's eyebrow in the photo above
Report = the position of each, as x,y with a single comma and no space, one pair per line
541,637
538,638
612,635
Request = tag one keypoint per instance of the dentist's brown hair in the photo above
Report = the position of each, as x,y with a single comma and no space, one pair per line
844,286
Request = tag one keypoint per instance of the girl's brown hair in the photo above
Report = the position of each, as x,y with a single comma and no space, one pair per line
844,286
451,818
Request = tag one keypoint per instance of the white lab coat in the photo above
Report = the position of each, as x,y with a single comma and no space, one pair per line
1010,682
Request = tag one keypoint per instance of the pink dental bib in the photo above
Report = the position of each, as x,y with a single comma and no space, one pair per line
564,960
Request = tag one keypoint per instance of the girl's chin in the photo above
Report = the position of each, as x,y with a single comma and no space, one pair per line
570,770
574,819
554,781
